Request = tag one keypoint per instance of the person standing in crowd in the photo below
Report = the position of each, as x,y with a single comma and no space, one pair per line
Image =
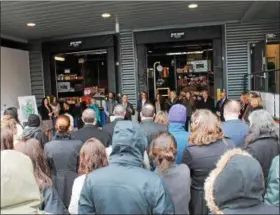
272,192
236,186
183,100
20,193
95,108
176,177
62,154
159,104
89,130
207,144
262,141
161,118
256,103
190,104
46,115
110,105
247,112
33,130
206,102
56,108
52,202
125,187
141,103
148,125
13,113
67,112
220,105
128,106
177,119
243,103
172,99
233,127
7,139
9,123
92,157
119,115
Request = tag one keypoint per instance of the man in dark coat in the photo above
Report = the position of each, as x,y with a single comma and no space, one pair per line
220,106
148,125
141,103
110,104
90,130
129,108
206,102
118,115
125,187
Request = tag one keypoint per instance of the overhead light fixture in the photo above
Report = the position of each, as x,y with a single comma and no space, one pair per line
31,24
150,51
184,53
192,6
106,15
59,58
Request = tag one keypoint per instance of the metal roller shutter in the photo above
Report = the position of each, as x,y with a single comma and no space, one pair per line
128,68
36,71
237,38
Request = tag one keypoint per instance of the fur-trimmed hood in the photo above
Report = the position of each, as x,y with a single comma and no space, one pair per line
236,183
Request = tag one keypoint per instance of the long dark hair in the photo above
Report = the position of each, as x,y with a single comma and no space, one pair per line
32,148
12,111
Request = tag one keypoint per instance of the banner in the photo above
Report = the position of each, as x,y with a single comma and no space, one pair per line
27,106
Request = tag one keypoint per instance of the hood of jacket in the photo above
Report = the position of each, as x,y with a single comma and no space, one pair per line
175,127
20,193
236,167
30,131
128,144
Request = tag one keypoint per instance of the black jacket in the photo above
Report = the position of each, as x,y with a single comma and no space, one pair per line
44,112
236,186
220,108
109,127
89,131
52,202
249,111
63,158
169,103
151,128
201,160
36,133
209,104
264,149
125,187
128,115
139,108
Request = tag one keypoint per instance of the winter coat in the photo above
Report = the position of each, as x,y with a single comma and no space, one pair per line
264,149
52,202
181,137
37,133
272,192
178,182
249,111
220,108
125,187
236,186
236,130
201,160
128,115
209,104
63,158
89,131
20,193
109,107
151,129
97,112
109,127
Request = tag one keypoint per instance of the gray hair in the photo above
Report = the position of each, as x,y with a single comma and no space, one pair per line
119,110
88,116
233,107
261,123
148,110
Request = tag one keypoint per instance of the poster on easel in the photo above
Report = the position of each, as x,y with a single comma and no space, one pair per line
27,106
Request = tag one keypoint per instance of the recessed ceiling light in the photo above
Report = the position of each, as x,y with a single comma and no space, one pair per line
192,6
31,24
106,15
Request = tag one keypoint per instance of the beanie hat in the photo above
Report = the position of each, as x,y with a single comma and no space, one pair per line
177,114
33,120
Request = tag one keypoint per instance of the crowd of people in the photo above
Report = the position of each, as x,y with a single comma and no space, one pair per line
185,155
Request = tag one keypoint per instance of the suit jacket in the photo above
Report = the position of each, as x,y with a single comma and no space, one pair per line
220,108
139,108
209,104
89,131
128,113
109,127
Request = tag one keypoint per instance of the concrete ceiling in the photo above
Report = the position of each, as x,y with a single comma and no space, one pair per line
55,19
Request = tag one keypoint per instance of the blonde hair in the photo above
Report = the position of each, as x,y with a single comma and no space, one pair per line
9,123
205,128
256,101
161,118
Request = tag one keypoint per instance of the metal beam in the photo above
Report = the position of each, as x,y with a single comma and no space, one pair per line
252,10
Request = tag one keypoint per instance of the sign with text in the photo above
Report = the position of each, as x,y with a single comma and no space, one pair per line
76,43
177,35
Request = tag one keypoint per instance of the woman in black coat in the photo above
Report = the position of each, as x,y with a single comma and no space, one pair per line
63,156
207,144
262,141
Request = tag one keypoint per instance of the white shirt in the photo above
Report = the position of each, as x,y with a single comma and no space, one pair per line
76,192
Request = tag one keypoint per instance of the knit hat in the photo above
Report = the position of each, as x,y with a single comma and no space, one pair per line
33,120
177,114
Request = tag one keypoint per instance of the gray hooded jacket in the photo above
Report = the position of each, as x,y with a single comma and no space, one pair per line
125,187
